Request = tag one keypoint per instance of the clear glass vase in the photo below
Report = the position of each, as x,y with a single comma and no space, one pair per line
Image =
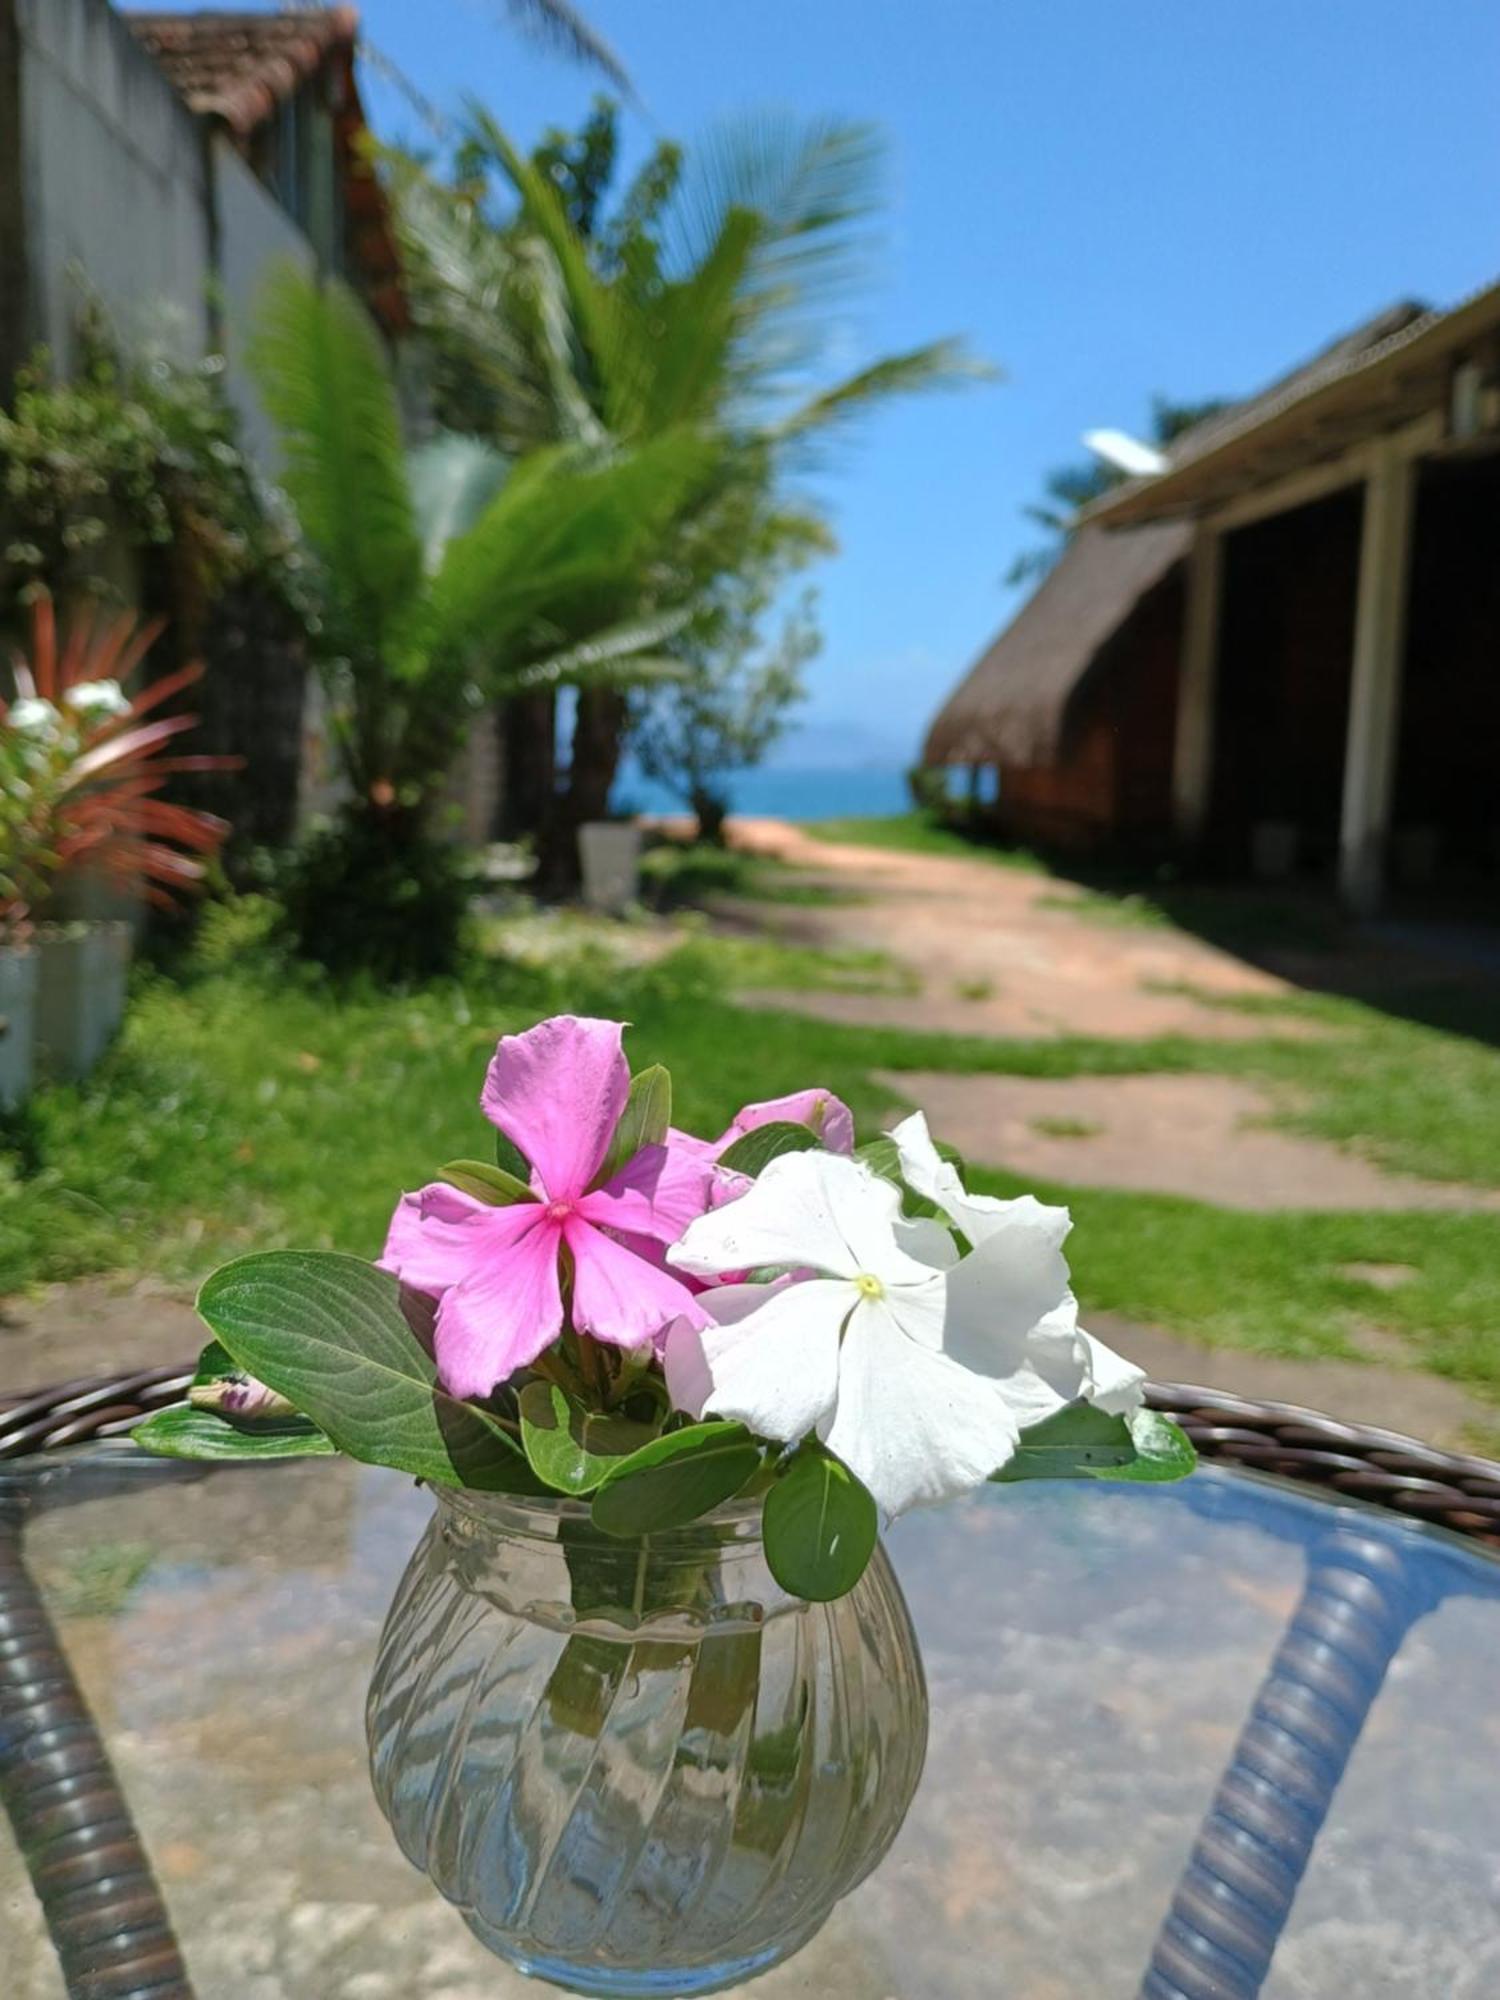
638,1768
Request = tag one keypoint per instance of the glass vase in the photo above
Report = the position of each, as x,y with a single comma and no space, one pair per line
638,1767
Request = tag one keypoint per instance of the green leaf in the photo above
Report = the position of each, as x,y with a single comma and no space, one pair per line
643,1122
329,1333
511,1160
180,1432
486,1183
820,1526
183,1432
1081,1442
570,1447
757,1149
324,379
675,1479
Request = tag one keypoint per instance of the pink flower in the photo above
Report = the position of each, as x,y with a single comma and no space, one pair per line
819,1110
557,1092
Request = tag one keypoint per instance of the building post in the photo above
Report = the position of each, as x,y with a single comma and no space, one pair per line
1193,749
1375,681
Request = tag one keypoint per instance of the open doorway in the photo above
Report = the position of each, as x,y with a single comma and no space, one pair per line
1286,649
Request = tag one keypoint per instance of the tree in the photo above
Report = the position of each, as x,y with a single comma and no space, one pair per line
448,573
1068,489
731,708
703,301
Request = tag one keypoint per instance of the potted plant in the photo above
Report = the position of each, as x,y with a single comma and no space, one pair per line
85,770
17,954
648,1700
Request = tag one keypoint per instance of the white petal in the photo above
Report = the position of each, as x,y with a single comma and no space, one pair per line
777,1369
979,1216
1006,1284
913,1425
1076,1364
921,1309
1058,1363
815,1211
928,1240
685,1365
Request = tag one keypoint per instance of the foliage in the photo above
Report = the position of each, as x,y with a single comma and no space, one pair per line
733,706
703,299
449,576
82,769
1068,489
358,903
147,450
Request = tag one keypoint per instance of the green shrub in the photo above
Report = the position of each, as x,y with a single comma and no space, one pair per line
355,902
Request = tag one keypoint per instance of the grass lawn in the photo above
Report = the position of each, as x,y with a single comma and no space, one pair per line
248,1107
916,833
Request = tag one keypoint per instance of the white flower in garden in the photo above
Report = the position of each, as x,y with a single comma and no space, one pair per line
1011,1313
31,716
853,1352
95,701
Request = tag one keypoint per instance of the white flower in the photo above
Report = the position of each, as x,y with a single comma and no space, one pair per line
95,700
1011,1313
852,1353
31,716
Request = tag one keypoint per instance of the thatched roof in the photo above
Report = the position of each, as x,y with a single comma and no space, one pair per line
1394,367
1012,705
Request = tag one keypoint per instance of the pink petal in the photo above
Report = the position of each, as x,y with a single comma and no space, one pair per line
819,1110
431,1242
619,1296
685,1142
557,1092
657,1194
506,1309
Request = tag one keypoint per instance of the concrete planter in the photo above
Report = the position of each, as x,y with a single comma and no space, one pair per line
610,850
18,981
1273,849
80,994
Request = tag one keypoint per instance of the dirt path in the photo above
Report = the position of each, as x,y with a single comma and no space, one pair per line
998,952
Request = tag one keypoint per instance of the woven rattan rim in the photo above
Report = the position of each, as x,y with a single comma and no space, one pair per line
1379,1467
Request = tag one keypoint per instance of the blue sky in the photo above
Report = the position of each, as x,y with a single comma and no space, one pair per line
1108,197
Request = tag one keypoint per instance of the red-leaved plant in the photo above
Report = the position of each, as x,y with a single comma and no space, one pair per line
82,768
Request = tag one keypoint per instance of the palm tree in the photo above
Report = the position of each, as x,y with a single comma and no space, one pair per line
450,574
708,305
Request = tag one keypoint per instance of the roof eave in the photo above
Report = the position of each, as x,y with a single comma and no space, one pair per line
1197,484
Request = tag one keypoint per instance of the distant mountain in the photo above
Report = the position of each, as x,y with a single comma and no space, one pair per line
839,743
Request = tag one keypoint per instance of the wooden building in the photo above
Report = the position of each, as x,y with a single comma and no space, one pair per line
1282,652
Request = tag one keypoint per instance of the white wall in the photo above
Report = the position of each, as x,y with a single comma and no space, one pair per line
114,180
255,234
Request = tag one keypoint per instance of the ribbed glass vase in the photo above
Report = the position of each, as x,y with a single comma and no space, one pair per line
638,1768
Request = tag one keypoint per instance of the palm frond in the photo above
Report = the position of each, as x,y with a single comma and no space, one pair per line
565,540
451,480
620,655
559,25
609,340
323,377
942,364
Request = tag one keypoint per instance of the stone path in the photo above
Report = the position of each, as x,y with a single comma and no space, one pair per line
1201,1136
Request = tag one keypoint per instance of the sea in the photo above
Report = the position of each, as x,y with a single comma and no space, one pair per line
789,791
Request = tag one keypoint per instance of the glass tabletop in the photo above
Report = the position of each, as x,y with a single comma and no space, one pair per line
1093,1655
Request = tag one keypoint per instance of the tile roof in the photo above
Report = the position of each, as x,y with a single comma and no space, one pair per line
239,66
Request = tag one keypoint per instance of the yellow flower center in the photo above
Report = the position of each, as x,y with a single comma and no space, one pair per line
868,1286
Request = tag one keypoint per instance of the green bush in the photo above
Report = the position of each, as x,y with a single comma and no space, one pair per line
357,903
